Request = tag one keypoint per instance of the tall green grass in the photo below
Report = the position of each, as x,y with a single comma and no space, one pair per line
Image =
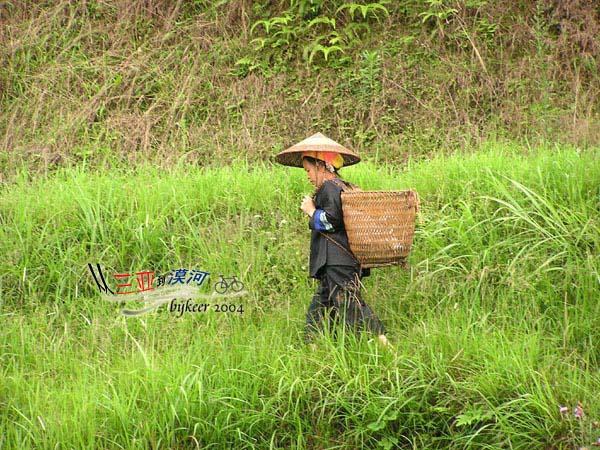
495,325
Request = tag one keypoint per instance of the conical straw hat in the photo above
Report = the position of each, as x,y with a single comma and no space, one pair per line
317,142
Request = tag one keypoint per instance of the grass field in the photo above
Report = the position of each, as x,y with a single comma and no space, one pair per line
495,325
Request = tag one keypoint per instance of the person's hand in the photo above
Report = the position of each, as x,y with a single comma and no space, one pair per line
308,205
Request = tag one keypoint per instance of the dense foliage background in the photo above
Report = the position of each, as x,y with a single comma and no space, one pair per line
219,80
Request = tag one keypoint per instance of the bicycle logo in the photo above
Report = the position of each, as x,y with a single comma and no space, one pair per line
223,285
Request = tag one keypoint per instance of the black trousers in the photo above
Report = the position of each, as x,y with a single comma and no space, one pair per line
338,300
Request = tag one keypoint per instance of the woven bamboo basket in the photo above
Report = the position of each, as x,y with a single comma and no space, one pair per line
380,225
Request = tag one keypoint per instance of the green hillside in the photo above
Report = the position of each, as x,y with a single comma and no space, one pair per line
219,80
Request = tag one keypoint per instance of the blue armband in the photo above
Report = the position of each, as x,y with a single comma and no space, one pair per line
321,222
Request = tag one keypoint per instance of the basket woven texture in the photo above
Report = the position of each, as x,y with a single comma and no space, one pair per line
380,225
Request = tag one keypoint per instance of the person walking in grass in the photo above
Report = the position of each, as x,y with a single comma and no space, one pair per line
332,262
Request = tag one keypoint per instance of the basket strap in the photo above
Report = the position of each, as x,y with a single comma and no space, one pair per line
344,188
343,248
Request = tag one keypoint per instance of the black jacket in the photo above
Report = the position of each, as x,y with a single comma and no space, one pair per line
322,251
